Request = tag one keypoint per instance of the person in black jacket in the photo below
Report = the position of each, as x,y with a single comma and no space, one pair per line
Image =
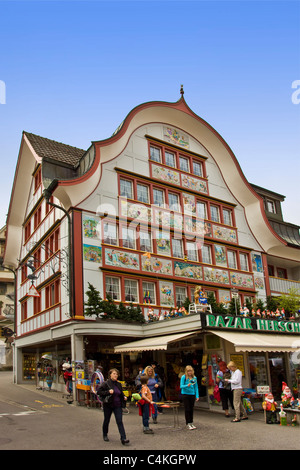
113,398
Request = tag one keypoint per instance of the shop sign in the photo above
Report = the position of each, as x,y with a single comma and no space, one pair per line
248,324
262,389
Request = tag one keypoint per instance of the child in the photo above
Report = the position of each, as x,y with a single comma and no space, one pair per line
146,405
190,394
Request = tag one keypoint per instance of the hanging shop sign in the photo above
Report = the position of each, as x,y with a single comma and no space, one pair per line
248,324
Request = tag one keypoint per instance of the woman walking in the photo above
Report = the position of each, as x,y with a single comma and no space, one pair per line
236,385
114,401
190,393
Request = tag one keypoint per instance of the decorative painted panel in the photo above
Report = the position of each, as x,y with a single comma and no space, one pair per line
187,270
259,282
257,263
165,174
241,280
216,275
189,204
174,136
223,233
90,227
194,184
92,253
157,265
135,211
122,259
220,255
163,243
166,292
224,296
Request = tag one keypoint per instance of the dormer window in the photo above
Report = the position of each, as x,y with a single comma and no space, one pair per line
270,205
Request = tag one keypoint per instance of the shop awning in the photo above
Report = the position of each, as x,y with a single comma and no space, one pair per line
257,342
151,344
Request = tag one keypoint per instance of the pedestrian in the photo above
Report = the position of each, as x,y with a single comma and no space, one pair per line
226,393
160,371
114,401
146,404
190,394
154,383
236,386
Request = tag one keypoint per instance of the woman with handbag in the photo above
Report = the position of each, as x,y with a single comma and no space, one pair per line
226,393
114,401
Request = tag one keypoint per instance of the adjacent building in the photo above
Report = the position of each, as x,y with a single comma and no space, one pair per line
146,216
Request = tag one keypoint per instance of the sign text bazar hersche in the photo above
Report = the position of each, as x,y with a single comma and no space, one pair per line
249,324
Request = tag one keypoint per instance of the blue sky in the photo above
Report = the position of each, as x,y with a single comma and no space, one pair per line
73,70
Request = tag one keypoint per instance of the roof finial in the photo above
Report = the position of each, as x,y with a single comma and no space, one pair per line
181,91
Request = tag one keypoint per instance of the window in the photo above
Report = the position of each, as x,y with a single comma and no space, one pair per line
36,305
112,288
270,270
181,295
52,293
145,241
131,290
170,159
155,154
227,218
197,168
214,213
184,164
24,310
126,188
37,179
142,193
192,252
158,197
201,210
110,234
231,257
281,272
206,254
244,262
128,237
37,217
174,203
270,205
177,248
27,230
149,293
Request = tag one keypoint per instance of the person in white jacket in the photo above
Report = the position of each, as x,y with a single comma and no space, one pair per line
237,388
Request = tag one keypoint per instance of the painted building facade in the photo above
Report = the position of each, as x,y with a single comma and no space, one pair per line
144,216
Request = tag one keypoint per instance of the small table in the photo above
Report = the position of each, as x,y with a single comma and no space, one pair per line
87,390
174,405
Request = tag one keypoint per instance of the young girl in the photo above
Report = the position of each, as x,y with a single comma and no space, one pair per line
190,393
146,408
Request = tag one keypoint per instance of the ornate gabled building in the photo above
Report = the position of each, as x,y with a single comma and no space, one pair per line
145,216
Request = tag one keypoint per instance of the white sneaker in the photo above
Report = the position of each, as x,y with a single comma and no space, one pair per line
193,426
190,426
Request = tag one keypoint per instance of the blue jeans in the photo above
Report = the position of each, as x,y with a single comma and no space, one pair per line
108,410
145,415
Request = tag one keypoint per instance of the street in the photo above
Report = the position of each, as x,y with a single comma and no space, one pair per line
32,419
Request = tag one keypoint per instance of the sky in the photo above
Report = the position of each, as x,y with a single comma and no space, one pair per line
72,70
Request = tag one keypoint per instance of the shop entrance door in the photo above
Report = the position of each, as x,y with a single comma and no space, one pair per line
277,373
